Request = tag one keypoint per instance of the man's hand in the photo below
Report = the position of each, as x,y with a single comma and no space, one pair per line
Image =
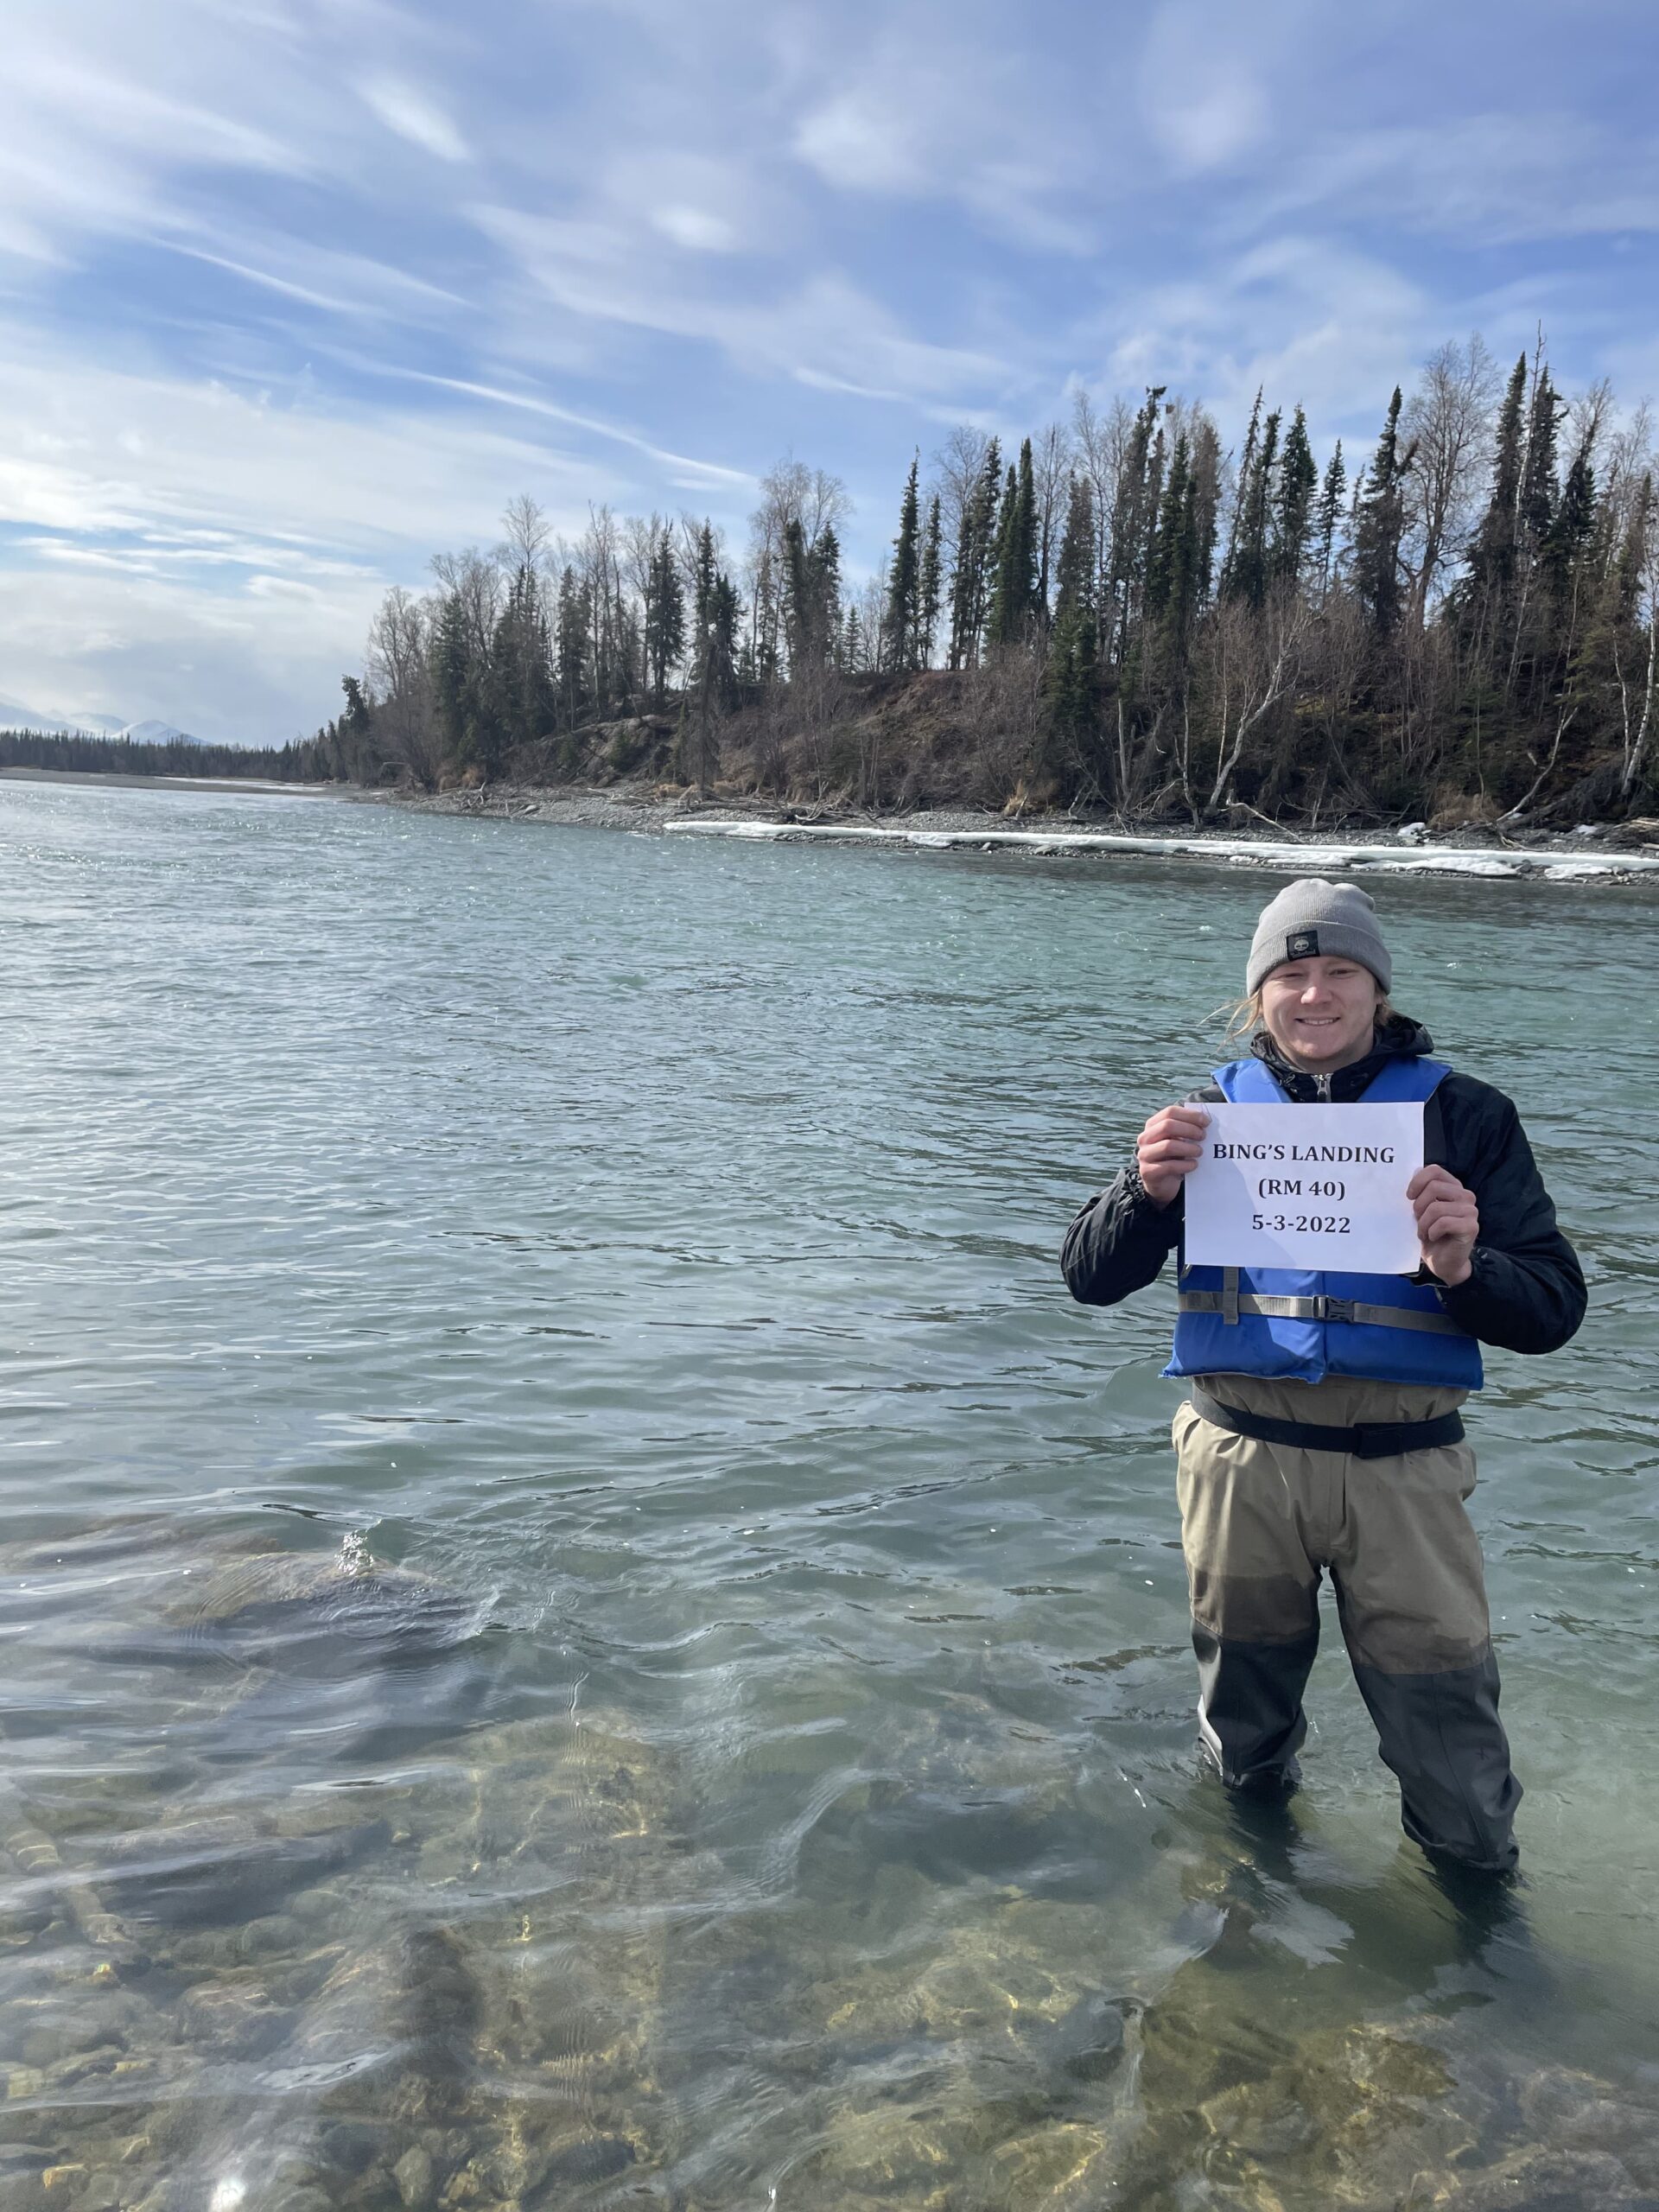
1448,1221
1167,1150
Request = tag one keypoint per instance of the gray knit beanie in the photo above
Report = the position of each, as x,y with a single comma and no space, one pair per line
1313,920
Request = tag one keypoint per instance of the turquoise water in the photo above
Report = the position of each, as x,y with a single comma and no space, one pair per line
585,1622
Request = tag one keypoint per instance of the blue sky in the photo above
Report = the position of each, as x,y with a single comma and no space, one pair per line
293,295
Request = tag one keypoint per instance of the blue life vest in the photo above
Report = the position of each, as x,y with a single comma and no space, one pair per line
1303,1325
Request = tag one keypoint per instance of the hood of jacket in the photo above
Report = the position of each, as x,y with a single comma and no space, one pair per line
1397,1038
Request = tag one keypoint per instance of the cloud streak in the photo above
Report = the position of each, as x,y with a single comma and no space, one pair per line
407,112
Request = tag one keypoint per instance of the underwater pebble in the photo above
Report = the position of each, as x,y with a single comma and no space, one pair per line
413,2175
277,1936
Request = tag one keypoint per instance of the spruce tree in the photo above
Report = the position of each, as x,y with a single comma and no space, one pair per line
1379,524
1492,559
1251,568
1574,522
931,588
823,563
726,612
1299,478
1174,583
451,667
1537,502
811,595
1328,520
1486,600
702,583
1026,550
572,648
1071,684
1134,520
521,678
356,719
1001,535
963,582
1072,678
1013,598
903,579
798,611
664,632
1241,493
975,579
1203,466
1074,574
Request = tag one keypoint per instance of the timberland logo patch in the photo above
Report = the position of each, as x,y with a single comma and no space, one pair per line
1302,944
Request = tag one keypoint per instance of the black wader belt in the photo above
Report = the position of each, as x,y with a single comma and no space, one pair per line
1367,1440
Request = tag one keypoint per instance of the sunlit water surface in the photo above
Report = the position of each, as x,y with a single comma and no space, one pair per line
585,1623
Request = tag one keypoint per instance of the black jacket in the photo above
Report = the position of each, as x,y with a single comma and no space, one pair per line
1527,1289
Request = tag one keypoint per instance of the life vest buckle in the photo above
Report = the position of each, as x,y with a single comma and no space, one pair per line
1336,1309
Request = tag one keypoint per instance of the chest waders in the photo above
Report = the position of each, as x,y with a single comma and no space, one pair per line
1323,1435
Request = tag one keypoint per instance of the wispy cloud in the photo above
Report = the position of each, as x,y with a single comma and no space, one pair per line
825,328
692,475
415,116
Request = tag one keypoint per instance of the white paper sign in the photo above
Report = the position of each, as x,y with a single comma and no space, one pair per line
1307,1186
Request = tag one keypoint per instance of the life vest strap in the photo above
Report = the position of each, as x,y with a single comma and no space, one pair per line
1366,1440
1232,1301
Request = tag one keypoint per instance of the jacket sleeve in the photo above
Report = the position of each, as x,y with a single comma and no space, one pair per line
1526,1292
1119,1243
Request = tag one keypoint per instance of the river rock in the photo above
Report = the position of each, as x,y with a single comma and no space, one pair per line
1052,2169
1546,2180
1576,2112
414,2178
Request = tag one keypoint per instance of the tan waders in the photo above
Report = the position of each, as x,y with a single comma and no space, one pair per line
1261,1520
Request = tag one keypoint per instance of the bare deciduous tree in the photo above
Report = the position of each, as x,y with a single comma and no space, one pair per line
1256,659
401,689
957,466
525,532
1448,419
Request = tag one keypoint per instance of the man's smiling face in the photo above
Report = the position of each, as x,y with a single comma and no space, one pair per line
1320,1012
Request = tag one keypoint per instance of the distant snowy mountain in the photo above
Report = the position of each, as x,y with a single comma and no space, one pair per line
155,733
14,715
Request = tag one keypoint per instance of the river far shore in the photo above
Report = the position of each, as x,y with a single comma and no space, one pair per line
117,781
1622,852
1626,852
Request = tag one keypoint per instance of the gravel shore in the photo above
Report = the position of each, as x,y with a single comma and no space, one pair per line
1604,851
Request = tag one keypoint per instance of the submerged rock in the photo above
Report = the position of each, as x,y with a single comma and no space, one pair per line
1544,2180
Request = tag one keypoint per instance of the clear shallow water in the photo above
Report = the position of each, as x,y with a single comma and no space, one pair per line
585,1623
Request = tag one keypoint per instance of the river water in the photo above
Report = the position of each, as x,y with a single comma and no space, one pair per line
586,1624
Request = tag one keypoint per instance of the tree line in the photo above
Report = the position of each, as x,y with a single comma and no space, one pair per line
308,760
1121,614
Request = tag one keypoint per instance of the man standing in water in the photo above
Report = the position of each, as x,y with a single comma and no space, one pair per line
1323,1432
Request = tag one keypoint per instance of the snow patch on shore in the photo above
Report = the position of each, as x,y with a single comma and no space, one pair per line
1301,860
